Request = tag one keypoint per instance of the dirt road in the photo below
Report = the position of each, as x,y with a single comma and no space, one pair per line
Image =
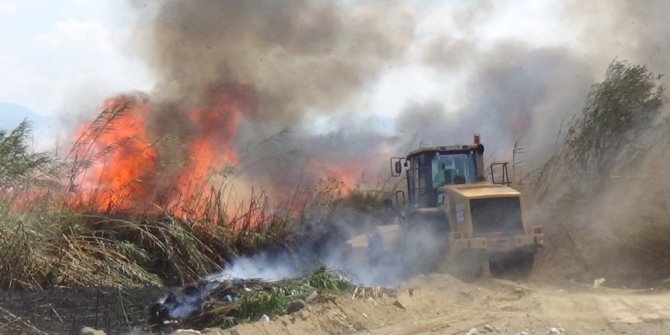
440,304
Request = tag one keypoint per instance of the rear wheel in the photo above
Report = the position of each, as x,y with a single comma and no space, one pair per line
466,265
517,266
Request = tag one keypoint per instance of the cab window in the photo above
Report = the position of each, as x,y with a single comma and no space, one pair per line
453,169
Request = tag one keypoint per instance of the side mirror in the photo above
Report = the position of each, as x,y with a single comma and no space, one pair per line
396,166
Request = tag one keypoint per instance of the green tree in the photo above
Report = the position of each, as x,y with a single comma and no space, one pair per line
618,112
17,163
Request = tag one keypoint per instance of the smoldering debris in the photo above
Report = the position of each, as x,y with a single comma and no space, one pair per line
219,300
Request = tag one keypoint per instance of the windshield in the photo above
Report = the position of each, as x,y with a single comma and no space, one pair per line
453,169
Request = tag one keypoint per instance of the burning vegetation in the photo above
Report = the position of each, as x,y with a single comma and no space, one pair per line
120,166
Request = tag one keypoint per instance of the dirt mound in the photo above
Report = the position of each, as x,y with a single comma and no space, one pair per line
440,304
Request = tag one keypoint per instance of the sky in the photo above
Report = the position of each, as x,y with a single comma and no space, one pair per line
54,50
60,57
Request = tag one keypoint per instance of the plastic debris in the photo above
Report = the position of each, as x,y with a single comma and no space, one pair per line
598,282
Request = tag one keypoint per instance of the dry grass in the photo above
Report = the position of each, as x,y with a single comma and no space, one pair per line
45,241
51,235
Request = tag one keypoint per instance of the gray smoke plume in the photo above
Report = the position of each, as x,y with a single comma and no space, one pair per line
517,91
295,59
300,56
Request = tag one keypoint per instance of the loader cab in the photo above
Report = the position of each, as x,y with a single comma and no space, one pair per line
428,169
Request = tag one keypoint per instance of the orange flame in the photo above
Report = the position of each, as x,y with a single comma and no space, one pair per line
128,171
218,126
124,164
120,157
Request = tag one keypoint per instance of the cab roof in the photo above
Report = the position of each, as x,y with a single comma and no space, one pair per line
483,190
465,147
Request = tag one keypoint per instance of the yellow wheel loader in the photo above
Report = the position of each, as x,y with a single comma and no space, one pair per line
453,218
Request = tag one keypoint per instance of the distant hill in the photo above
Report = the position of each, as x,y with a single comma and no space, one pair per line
12,114
44,128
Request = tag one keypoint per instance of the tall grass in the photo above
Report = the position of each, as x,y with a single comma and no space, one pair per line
46,248
45,241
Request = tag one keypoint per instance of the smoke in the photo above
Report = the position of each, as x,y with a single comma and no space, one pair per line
515,90
395,256
300,56
307,60
298,60
614,218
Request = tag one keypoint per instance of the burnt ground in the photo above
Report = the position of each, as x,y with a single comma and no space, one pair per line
67,310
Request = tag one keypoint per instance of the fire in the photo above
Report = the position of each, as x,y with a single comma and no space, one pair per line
212,150
217,124
123,164
118,155
129,170
324,177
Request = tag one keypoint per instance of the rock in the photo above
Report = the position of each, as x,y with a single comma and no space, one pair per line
311,297
295,306
264,319
304,314
554,331
524,332
187,332
489,329
598,282
91,331
399,305
472,331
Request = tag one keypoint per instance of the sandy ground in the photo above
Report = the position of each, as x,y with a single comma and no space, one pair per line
440,304
430,304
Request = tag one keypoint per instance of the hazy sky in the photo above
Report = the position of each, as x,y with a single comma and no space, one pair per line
59,55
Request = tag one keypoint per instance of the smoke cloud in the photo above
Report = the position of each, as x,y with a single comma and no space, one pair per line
297,60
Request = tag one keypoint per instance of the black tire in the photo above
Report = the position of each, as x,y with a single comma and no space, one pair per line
517,266
467,265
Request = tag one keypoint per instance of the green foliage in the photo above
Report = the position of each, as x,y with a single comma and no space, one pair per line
617,111
253,306
17,163
269,298
328,281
